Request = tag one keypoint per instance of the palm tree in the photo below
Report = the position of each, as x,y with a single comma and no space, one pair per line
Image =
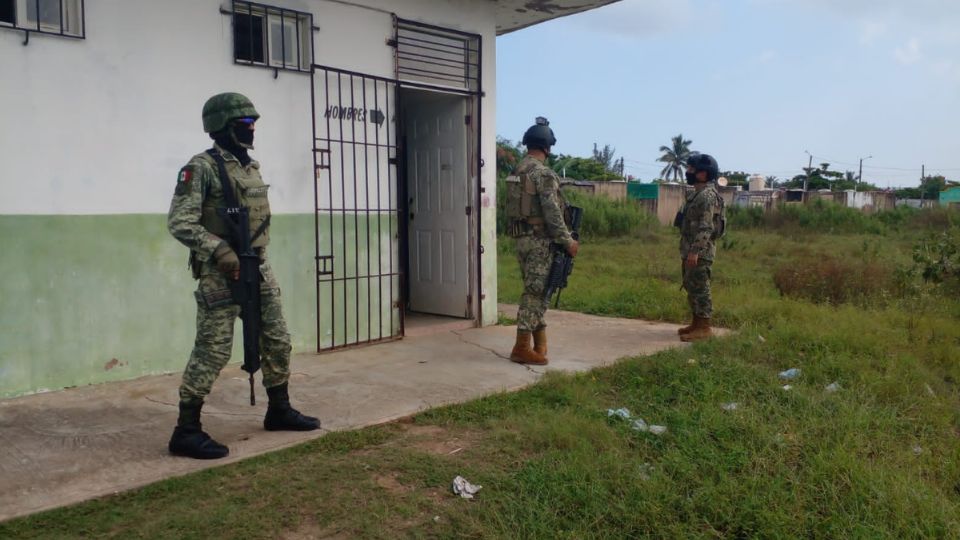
675,157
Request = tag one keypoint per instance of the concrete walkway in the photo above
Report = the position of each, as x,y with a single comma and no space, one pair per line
65,447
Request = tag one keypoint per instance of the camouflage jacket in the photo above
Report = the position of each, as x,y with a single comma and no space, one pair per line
696,232
198,181
551,201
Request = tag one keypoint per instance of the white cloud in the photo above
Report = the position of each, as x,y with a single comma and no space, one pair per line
767,56
909,53
870,31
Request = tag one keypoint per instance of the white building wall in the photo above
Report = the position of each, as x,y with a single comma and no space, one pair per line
103,124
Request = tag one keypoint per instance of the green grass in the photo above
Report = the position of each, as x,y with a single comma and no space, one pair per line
880,458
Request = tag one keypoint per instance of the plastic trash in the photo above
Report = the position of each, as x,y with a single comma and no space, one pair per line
732,406
622,413
644,471
692,361
640,425
761,339
787,387
464,488
917,450
790,374
658,430
832,387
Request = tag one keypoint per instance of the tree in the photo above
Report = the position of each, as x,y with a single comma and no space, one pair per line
675,156
604,156
735,178
508,156
931,186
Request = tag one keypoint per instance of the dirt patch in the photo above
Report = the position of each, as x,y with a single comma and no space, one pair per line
390,483
437,440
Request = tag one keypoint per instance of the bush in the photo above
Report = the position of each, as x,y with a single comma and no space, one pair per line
602,216
833,280
828,217
938,259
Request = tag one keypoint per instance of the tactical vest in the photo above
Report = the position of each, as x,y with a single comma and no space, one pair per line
250,191
524,211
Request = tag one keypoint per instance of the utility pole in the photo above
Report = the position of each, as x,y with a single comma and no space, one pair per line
806,177
860,174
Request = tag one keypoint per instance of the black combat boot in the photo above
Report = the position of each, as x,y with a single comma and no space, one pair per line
189,439
282,417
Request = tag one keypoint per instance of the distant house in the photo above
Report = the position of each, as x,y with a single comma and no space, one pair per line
950,197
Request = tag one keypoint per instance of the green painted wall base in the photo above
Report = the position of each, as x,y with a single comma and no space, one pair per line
89,299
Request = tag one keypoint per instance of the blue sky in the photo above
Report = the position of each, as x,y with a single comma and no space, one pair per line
756,83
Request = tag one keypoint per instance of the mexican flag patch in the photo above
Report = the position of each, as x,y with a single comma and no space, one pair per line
183,181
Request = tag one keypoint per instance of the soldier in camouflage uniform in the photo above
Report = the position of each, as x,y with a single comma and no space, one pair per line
193,220
699,229
536,221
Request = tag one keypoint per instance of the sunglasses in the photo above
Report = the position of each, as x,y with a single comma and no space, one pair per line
247,121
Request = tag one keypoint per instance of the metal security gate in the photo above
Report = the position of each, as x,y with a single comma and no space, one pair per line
357,215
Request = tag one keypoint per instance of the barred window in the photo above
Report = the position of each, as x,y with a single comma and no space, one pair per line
58,17
272,37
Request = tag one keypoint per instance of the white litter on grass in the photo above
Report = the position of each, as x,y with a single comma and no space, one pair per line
464,488
786,387
692,361
917,450
761,339
790,374
658,430
622,413
930,390
640,425
645,470
732,406
832,387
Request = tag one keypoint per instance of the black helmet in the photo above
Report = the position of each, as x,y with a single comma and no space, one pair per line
539,135
706,163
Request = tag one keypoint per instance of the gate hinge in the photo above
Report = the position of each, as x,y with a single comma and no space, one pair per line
466,119
391,42
392,161
469,210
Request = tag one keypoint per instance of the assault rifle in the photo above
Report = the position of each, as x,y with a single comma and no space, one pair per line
562,264
246,290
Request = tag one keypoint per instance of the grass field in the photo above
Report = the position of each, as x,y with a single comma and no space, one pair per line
878,458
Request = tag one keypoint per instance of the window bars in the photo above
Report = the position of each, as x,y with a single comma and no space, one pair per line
437,56
272,37
63,18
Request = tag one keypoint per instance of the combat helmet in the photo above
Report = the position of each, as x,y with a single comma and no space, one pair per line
539,135
706,163
220,109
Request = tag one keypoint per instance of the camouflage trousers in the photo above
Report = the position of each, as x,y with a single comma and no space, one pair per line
696,281
216,315
535,257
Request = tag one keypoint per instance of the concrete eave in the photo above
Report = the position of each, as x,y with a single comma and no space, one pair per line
516,14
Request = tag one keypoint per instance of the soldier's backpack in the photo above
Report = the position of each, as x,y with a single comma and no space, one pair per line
719,221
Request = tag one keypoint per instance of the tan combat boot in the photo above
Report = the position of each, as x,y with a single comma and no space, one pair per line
686,329
701,330
540,342
523,354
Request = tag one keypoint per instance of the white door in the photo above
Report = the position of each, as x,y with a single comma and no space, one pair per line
437,191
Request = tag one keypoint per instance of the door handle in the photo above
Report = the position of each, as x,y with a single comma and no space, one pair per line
411,216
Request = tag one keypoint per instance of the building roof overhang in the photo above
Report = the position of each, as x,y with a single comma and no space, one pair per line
513,15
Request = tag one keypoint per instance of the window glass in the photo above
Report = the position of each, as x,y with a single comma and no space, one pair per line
248,37
283,44
49,12
8,13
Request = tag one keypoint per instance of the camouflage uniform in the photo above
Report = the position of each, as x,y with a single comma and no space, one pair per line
696,236
533,241
192,220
